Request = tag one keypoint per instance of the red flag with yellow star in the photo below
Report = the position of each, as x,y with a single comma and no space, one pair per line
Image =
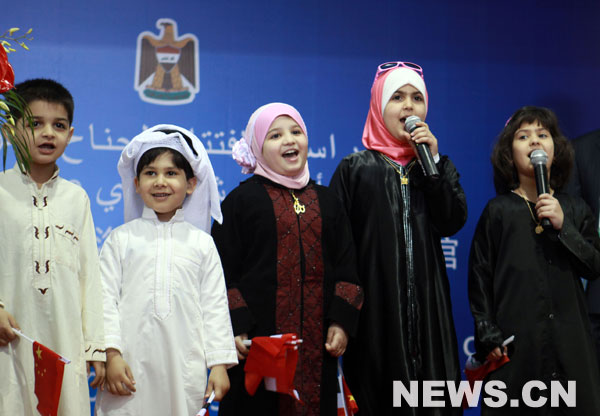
345,400
49,368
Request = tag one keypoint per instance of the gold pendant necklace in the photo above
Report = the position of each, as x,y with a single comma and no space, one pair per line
298,207
538,228
403,177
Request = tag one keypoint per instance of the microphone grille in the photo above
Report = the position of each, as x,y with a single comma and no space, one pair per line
538,156
411,123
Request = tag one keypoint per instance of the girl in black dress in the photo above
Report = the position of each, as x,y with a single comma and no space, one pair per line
524,279
398,215
289,263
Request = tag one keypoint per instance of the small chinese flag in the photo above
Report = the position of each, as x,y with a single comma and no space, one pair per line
480,371
274,359
346,403
49,368
350,402
474,370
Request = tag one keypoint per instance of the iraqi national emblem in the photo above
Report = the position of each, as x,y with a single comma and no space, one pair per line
166,65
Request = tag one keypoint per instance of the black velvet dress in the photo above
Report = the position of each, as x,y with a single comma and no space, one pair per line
288,273
528,285
406,330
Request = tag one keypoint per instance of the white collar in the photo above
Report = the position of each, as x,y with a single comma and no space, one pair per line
150,214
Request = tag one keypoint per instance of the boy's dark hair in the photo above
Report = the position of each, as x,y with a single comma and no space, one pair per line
178,159
44,90
505,174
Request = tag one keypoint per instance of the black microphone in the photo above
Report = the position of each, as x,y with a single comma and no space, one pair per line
429,167
539,158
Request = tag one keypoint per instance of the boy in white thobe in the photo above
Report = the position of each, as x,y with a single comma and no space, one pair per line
166,310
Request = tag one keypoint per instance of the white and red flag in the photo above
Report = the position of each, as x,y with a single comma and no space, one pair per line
273,359
475,370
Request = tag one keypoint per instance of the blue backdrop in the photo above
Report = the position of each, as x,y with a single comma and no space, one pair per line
482,60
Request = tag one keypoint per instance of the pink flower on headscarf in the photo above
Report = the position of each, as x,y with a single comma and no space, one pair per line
375,134
243,156
247,152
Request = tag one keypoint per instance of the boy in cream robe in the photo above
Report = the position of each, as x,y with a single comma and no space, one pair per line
50,284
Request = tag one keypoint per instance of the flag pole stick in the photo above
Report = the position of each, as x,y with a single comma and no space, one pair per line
19,333
203,411
248,342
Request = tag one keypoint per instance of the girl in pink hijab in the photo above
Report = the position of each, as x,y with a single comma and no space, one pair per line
289,261
398,216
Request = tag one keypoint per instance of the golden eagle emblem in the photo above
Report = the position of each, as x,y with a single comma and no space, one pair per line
166,65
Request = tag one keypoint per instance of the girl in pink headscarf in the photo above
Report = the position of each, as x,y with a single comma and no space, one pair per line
398,216
289,261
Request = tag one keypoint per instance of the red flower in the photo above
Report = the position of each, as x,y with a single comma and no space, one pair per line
7,75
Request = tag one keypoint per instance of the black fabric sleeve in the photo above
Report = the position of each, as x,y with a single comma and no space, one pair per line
481,289
579,234
348,294
228,239
446,201
338,185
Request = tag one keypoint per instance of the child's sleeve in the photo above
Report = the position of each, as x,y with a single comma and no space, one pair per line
482,260
348,294
228,238
338,184
446,200
219,345
91,290
579,235
112,273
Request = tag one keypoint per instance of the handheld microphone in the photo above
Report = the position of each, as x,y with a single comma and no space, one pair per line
429,167
539,158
